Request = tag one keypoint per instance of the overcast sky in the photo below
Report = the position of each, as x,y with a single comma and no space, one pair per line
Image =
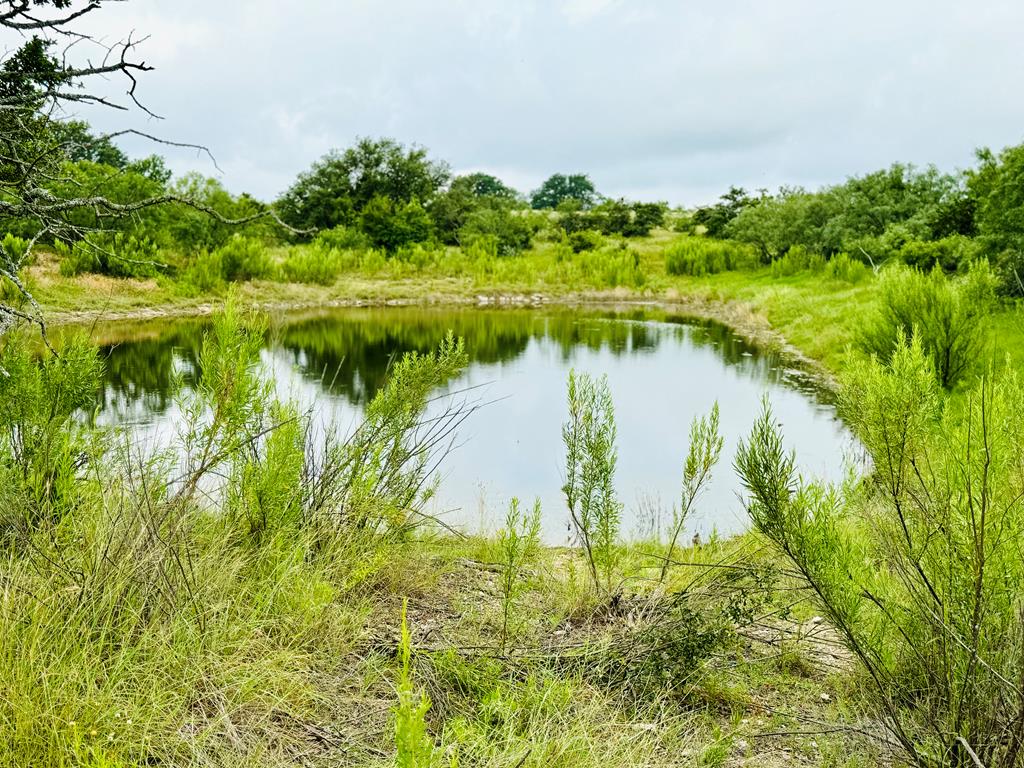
672,100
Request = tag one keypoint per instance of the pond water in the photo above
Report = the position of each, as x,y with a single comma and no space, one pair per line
663,370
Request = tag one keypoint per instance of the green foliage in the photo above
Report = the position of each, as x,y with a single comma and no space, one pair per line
518,544
381,475
611,217
192,230
702,456
590,459
391,225
117,254
797,259
872,214
511,231
585,240
79,143
559,188
316,263
342,238
205,274
715,218
699,256
920,574
242,258
415,748
947,316
340,185
265,488
997,186
953,253
42,444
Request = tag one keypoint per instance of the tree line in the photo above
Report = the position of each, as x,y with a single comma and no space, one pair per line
922,217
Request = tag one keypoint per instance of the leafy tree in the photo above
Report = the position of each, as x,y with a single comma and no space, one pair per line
391,225
715,218
79,143
485,185
997,186
341,184
559,187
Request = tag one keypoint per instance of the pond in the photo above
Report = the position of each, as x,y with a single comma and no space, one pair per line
662,369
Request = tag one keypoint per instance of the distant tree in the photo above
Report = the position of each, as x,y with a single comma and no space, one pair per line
391,225
647,216
341,184
997,186
79,143
451,209
559,187
715,218
485,185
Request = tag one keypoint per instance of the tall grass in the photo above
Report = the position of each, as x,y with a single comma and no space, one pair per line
698,256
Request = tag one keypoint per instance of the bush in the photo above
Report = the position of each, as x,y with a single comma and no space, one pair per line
699,256
342,238
116,254
797,259
391,225
242,259
947,315
952,254
585,240
512,231
920,574
842,267
318,264
205,274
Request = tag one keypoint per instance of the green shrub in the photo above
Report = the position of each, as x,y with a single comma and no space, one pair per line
947,315
952,254
317,263
518,544
849,270
205,274
699,256
116,254
797,259
511,230
590,459
41,443
920,572
585,240
243,258
342,238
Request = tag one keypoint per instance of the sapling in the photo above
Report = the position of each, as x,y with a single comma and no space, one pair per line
590,458
702,456
414,746
518,542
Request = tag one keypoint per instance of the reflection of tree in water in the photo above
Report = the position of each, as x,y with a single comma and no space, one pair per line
142,369
350,350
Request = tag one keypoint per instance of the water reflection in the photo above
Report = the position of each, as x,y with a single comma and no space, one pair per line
663,370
